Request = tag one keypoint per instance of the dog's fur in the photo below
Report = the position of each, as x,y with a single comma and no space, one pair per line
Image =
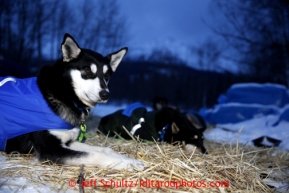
72,86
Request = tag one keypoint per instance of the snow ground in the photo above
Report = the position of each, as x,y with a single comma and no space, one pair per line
25,185
246,131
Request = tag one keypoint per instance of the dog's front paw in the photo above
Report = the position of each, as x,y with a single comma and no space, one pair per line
129,164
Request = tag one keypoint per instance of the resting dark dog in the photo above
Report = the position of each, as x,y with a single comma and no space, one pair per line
167,124
196,119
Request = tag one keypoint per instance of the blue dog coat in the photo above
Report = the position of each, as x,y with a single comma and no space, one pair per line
23,109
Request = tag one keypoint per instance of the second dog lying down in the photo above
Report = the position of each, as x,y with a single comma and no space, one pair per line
167,124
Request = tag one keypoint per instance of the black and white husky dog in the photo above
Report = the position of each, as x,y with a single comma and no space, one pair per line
49,123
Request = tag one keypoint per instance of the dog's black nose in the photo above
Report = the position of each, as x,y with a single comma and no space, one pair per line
203,149
104,94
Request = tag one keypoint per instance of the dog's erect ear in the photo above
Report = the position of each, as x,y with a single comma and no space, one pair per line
175,128
116,57
197,121
70,49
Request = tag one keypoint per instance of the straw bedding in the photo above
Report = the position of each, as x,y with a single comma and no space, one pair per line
229,168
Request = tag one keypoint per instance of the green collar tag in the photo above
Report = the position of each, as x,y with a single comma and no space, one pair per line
83,133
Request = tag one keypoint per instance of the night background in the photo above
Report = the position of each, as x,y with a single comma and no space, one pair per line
187,51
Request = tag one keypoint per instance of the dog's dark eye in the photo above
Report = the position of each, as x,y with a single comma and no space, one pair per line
106,75
88,71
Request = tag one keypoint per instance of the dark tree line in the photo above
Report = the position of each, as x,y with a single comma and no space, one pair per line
257,33
31,31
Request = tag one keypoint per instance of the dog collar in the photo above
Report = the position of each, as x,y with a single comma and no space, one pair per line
163,132
84,110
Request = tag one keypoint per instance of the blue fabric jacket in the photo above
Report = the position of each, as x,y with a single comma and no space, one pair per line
23,109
